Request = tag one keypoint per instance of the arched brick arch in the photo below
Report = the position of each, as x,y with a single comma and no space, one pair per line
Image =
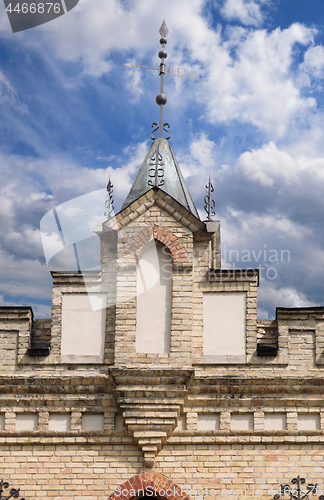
170,240
150,483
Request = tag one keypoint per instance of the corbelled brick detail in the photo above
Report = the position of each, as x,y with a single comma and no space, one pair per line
151,401
170,240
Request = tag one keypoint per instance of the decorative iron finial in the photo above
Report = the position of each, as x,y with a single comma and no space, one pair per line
156,172
13,492
296,493
165,128
161,98
164,29
209,201
109,201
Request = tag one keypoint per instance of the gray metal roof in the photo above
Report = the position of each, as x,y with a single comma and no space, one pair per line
173,184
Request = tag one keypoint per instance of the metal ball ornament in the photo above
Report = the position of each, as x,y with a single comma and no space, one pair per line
163,54
161,99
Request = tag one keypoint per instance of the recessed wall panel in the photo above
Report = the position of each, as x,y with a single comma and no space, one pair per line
83,328
224,327
59,423
26,422
208,422
93,422
275,421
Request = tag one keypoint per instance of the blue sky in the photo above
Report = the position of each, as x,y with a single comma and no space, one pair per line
72,114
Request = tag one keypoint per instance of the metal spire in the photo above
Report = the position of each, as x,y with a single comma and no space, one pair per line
209,201
157,165
161,98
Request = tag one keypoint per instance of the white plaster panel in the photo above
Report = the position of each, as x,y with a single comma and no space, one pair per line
59,423
224,327
119,424
309,422
154,292
2,422
275,421
208,422
83,328
242,422
92,422
26,422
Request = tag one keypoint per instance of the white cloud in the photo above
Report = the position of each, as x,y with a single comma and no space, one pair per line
246,11
258,86
314,61
5,85
282,296
275,168
8,94
268,165
201,156
312,68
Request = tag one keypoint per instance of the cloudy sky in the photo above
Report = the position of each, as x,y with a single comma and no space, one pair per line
72,114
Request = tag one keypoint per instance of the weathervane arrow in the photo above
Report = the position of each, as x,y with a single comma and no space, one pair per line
137,66
189,74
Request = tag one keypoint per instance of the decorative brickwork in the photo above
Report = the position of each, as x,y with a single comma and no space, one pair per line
15,328
170,240
149,482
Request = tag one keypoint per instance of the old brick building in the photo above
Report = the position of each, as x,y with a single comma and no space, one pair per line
154,375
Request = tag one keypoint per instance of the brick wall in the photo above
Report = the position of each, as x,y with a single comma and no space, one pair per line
95,470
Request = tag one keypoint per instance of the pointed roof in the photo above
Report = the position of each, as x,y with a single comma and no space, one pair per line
174,184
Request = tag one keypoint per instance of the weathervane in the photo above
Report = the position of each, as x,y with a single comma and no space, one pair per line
209,201
161,98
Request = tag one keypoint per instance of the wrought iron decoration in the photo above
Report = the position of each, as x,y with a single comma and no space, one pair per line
14,493
156,172
110,200
297,493
209,201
